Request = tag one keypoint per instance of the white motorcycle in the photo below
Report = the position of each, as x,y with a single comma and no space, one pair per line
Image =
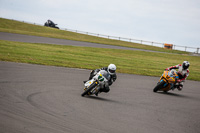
93,86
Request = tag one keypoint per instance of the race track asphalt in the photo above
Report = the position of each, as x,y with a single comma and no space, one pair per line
47,40
47,99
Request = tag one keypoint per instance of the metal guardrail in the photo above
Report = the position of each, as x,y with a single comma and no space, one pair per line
158,44
175,47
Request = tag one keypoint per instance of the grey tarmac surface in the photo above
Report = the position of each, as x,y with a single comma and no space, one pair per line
47,40
47,99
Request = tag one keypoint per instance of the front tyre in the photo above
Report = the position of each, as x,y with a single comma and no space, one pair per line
89,89
159,86
85,92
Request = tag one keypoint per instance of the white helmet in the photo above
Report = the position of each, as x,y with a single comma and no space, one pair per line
111,69
185,65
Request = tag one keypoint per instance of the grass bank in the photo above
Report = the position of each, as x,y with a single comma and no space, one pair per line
11,26
127,61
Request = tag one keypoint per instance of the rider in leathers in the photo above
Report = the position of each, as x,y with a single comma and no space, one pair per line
183,73
111,70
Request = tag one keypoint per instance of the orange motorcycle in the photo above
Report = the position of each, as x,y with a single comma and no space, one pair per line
167,81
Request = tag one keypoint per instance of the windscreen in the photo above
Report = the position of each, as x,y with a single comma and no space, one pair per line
105,74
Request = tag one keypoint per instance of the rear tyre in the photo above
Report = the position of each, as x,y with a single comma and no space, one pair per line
159,86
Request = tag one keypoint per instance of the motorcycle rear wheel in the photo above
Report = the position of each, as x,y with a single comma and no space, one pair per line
159,86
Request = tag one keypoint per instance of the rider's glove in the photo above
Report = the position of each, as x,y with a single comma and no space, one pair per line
114,78
167,69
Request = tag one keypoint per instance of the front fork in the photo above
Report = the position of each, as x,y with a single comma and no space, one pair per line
163,79
92,86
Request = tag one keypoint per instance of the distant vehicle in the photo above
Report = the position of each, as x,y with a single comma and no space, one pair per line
50,23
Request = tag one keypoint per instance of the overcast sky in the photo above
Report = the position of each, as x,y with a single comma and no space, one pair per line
165,21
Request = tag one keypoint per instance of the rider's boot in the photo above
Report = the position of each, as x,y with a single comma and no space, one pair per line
180,87
97,94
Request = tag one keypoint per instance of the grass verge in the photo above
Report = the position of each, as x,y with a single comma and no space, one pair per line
127,61
11,26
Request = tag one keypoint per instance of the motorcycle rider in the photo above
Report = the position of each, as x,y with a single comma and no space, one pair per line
183,73
111,69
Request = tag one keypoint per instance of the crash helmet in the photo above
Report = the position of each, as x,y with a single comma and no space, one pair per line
185,65
111,69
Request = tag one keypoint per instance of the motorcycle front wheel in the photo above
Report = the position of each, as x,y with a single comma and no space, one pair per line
159,86
89,89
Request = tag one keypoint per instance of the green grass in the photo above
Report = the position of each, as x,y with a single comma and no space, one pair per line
30,29
127,61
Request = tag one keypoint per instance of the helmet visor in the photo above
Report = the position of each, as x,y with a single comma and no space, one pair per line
185,66
111,71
